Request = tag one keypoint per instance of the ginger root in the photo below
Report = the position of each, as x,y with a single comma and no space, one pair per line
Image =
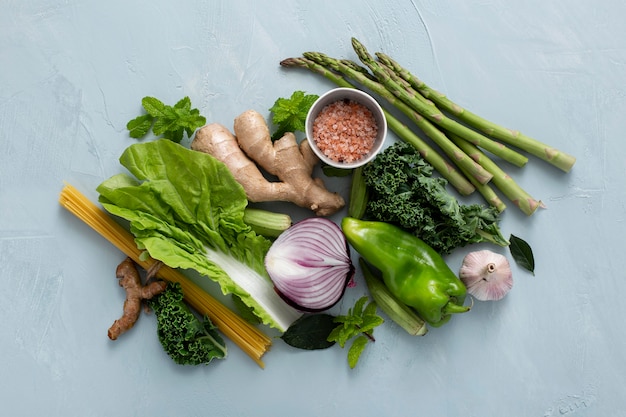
136,292
291,163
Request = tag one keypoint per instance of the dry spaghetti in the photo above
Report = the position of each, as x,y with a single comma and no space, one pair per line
250,339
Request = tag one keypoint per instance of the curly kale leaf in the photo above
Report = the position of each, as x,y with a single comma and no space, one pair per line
404,191
187,339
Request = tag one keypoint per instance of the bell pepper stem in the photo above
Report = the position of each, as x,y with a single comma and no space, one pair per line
452,308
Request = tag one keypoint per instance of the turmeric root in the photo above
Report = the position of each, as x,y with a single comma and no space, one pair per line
129,279
291,163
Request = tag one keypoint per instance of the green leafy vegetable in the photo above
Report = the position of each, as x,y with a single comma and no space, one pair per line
187,339
244,311
359,323
169,122
140,126
522,253
321,331
310,332
403,191
187,210
289,115
357,347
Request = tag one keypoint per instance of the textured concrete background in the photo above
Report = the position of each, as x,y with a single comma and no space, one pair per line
73,73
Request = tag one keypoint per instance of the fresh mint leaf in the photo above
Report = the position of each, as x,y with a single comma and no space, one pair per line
358,308
354,353
370,322
289,115
162,126
522,253
342,333
360,323
174,135
153,106
310,332
169,113
140,126
183,104
192,121
321,331
369,311
170,122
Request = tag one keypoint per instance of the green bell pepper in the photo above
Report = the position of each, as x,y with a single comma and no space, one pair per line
413,271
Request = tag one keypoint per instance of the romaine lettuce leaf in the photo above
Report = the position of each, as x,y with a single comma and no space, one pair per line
186,209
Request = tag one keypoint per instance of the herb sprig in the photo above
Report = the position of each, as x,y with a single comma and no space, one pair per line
321,331
289,114
169,122
358,324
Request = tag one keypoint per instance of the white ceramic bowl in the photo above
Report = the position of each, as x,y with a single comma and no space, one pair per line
358,96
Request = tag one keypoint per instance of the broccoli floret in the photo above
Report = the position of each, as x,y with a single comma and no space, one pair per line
403,191
187,339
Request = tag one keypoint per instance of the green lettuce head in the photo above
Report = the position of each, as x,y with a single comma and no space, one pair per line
186,210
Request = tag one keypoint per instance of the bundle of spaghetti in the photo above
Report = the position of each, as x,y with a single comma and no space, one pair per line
250,339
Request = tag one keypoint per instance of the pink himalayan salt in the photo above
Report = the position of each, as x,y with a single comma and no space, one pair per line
345,131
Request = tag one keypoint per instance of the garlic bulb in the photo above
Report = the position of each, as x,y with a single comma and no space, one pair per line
487,275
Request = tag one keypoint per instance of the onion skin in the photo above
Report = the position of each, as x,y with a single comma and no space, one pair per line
310,265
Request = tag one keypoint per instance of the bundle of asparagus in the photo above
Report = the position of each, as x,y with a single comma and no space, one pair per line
464,137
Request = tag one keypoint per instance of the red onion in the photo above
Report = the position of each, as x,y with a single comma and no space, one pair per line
310,264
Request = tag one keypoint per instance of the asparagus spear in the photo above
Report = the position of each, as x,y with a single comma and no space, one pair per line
501,179
496,148
505,183
430,112
450,149
488,193
454,177
549,154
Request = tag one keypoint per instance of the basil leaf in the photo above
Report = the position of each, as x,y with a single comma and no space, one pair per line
310,332
522,253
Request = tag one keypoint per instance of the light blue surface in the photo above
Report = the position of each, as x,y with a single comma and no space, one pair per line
74,72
